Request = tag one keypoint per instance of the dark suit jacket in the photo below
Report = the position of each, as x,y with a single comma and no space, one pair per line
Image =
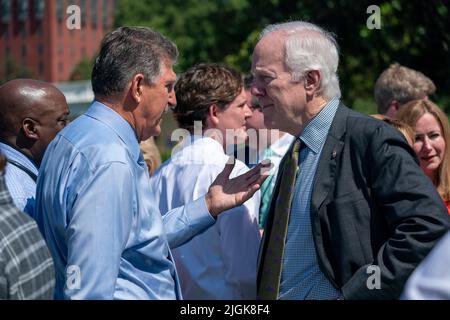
371,205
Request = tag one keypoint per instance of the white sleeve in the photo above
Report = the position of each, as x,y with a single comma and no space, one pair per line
431,279
239,240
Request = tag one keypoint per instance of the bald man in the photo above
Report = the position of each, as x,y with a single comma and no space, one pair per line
31,114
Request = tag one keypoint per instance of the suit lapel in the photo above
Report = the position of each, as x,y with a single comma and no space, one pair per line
326,168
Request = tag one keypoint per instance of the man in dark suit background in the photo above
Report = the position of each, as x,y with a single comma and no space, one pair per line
362,214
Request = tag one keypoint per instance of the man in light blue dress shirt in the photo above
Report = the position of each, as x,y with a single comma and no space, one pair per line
32,112
94,203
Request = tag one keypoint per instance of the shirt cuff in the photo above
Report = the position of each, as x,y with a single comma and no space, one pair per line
199,213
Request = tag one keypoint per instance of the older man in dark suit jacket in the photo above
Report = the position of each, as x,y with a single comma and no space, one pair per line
362,215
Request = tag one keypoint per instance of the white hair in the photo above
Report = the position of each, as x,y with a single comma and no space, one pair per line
309,47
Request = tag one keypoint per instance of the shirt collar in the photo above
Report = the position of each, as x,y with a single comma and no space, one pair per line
18,156
280,146
315,133
118,124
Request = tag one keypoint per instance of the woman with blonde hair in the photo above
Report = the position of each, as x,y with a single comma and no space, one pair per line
431,138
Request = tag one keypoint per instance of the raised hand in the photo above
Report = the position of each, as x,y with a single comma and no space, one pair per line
225,193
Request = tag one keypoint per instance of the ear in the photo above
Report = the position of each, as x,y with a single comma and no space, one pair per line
395,105
29,127
213,118
137,87
392,109
312,81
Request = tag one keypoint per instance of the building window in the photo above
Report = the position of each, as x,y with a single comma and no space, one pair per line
4,31
24,51
83,12
39,28
41,68
105,11
39,9
40,49
60,50
94,13
60,10
5,11
22,11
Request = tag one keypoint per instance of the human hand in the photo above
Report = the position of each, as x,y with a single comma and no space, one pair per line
225,193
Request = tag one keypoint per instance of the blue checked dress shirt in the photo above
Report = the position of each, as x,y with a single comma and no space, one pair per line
301,276
96,210
20,185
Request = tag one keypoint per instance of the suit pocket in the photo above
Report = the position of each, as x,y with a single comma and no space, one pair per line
347,225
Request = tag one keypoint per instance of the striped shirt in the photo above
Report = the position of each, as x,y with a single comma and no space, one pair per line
26,267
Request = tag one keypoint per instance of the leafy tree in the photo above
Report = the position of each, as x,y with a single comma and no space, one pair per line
82,70
13,70
414,33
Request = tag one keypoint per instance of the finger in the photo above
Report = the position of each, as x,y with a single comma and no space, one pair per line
258,179
229,166
262,179
250,192
263,168
256,170
266,166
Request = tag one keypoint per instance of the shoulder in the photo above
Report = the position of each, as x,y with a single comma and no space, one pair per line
365,130
92,140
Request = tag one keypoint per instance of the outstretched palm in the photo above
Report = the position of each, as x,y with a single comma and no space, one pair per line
225,193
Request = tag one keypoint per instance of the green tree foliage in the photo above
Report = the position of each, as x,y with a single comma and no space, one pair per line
82,70
414,33
13,70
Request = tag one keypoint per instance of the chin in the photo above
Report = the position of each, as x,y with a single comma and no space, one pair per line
154,132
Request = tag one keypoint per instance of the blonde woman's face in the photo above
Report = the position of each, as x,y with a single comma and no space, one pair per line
429,144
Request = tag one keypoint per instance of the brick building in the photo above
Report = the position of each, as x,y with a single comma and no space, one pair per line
34,35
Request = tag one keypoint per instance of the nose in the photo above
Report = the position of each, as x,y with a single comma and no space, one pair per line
247,111
257,91
427,145
172,99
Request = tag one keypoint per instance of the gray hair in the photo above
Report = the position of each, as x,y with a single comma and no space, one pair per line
402,84
126,52
309,47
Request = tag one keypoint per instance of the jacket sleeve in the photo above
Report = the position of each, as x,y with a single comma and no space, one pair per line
413,210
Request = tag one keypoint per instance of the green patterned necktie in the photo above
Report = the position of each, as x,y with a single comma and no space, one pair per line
266,192
273,245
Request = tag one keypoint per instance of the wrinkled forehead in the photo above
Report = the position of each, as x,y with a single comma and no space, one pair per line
271,45
269,50
167,72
